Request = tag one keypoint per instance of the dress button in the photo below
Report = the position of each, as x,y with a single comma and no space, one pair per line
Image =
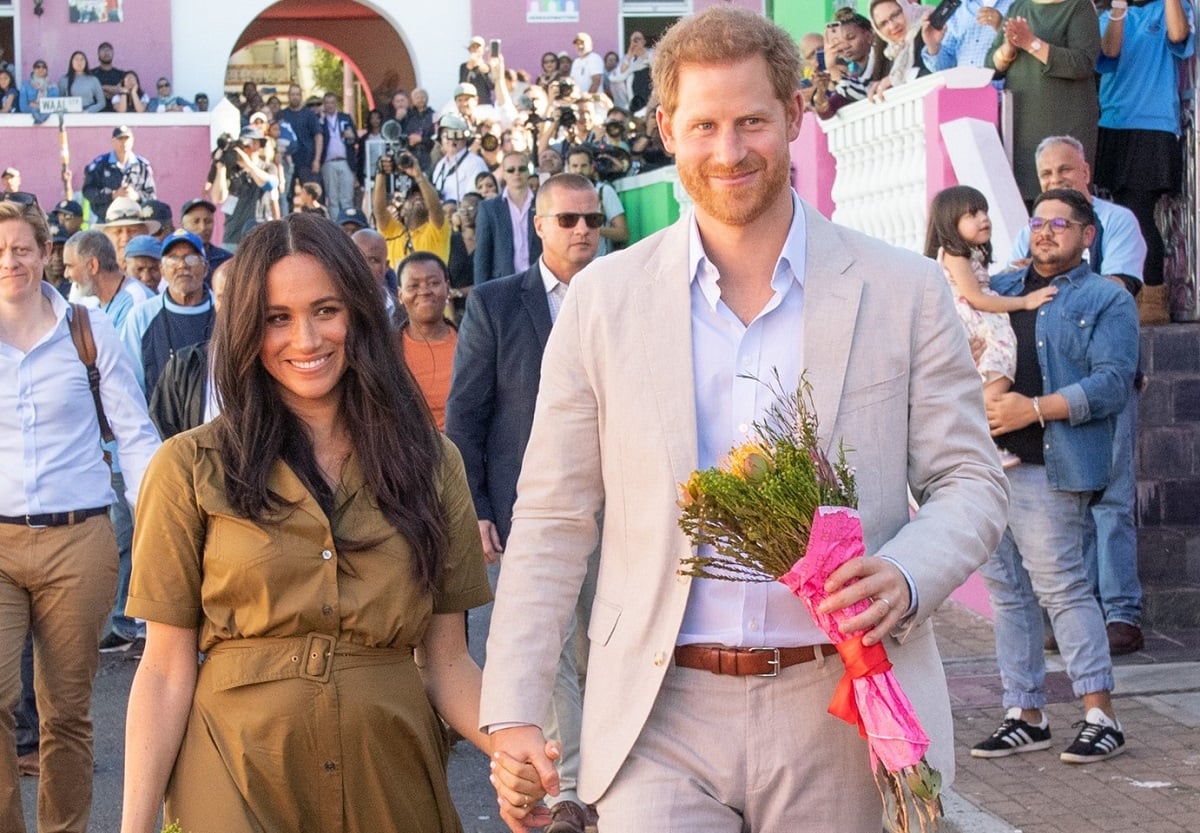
327,610
660,658
326,554
330,766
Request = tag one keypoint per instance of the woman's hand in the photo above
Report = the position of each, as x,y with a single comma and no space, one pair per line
875,91
1018,33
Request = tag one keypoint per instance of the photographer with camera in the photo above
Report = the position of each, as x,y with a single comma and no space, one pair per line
411,218
454,174
246,185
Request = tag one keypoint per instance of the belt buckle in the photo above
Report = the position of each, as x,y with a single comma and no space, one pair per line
773,662
318,646
29,523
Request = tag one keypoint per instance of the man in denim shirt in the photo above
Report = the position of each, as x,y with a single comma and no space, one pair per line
1075,362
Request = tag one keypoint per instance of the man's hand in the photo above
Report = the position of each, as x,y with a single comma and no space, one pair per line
491,542
1008,412
523,767
876,579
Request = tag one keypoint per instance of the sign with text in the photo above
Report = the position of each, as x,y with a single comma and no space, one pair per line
66,104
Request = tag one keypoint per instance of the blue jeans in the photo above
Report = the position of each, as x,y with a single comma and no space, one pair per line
1040,561
1110,536
122,521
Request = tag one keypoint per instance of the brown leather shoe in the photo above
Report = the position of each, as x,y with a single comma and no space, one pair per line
1124,638
1050,644
29,764
567,817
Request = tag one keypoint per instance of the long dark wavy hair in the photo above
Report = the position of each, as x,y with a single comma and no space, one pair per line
948,207
391,429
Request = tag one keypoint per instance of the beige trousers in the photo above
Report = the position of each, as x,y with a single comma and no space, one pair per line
722,754
61,581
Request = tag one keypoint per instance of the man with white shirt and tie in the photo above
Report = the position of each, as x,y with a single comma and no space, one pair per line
489,414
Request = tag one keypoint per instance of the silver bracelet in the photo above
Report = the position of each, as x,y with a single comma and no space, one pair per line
1037,409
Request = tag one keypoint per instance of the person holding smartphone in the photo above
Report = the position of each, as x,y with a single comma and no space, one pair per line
967,36
477,70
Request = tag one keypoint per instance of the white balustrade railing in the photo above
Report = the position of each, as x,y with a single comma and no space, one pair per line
880,153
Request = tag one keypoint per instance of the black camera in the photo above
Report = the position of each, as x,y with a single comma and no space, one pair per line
566,116
489,142
404,159
565,87
227,148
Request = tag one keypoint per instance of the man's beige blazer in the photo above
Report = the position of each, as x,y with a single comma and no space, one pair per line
615,428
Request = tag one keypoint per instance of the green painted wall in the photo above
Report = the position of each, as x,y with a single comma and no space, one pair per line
799,17
649,208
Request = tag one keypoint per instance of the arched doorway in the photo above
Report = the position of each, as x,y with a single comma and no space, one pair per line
358,34
392,43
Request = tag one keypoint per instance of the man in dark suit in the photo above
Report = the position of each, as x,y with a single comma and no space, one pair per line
505,239
489,412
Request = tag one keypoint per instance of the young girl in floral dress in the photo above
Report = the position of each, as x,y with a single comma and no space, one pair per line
960,237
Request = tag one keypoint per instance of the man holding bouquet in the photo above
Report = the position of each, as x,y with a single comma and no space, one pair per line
706,700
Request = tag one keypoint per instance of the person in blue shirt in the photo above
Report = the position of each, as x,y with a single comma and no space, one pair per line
1143,44
58,554
1076,358
967,37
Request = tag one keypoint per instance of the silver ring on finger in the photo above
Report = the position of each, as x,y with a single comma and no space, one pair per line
886,602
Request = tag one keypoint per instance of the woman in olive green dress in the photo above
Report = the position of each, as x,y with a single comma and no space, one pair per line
307,542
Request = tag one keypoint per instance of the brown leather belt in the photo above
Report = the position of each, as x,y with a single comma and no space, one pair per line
743,662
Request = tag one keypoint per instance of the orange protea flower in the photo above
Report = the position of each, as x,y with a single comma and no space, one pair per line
690,492
749,462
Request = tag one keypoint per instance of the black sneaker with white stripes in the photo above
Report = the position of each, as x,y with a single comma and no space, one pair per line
1099,739
1014,735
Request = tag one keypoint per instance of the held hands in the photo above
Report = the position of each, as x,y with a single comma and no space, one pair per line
868,578
522,773
1035,299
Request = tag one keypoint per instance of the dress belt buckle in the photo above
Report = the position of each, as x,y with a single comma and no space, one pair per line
773,662
29,523
318,657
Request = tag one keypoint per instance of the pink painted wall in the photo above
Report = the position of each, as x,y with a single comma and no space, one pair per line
179,154
524,43
142,43
813,166
944,105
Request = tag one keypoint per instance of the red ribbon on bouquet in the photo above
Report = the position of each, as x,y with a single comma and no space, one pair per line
860,661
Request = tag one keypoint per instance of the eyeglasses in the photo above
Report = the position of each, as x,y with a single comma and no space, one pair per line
511,170
185,260
569,219
164,85
1056,224
40,66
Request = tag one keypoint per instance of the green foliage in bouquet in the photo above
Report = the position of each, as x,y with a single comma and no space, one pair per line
756,508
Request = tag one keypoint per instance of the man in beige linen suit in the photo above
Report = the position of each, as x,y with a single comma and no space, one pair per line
643,381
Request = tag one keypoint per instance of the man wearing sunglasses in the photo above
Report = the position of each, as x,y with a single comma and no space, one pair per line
489,415
505,239
1075,362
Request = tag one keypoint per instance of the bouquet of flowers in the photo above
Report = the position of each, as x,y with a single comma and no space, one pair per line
777,509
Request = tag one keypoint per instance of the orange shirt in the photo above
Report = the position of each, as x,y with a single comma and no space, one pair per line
431,363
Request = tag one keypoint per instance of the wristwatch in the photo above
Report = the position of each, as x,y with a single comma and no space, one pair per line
1035,45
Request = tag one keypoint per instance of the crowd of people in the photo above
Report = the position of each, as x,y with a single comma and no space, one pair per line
376,285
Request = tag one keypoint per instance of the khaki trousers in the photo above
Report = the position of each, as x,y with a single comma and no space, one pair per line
61,582
723,754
